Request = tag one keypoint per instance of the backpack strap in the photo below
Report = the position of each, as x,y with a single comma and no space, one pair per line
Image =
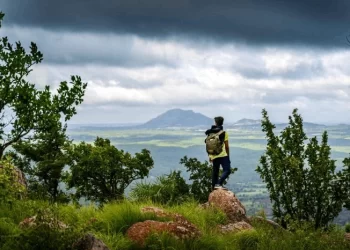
219,135
220,132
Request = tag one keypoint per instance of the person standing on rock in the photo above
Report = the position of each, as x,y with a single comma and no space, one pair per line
218,151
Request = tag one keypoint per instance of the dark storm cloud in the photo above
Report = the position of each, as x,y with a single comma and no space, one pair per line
87,48
317,22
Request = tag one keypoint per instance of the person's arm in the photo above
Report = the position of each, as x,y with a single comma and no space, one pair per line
227,148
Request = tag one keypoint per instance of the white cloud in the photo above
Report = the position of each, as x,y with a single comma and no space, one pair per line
233,80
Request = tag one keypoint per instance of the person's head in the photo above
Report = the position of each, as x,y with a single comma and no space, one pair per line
219,120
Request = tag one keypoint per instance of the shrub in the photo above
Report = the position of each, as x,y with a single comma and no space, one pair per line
10,187
169,189
347,227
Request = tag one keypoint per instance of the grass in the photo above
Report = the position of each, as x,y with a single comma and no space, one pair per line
112,221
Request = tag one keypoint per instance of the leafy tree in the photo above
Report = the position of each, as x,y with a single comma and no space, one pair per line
24,109
302,179
101,172
43,158
201,177
169,189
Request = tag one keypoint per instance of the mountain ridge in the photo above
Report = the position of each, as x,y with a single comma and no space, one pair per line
178,118
181,118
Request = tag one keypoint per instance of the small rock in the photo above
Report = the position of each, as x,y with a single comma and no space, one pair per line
263,220
50,222
28,222
179,226
347,236
235,227
140,231
89,242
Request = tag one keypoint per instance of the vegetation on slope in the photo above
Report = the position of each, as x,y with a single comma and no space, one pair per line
111,222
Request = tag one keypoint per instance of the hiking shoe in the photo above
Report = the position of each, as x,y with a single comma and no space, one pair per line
217,186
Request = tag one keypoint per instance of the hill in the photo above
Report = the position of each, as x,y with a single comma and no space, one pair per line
247,122
178,118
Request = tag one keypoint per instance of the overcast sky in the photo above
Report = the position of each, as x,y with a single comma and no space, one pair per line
223,57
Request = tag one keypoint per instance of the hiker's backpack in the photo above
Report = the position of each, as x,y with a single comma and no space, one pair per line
213,143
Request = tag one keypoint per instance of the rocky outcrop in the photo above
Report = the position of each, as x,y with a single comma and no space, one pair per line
236,213
89,242
228,202
178,226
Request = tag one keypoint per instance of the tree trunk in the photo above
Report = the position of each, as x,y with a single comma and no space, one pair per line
1,152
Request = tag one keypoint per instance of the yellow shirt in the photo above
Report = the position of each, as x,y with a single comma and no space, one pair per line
223,152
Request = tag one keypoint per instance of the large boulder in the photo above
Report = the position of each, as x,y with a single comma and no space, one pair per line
178,226
228,202
89,242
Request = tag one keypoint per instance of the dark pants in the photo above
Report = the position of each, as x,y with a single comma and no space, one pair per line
226,165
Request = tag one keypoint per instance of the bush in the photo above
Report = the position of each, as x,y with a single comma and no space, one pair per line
10,187
45,238
347,228
316,191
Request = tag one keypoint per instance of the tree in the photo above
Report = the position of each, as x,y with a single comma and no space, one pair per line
302,179
43,158
24,109
169,189
201,177
346,180
101,172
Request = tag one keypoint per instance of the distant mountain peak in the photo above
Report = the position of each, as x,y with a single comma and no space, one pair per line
246,121
179,118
